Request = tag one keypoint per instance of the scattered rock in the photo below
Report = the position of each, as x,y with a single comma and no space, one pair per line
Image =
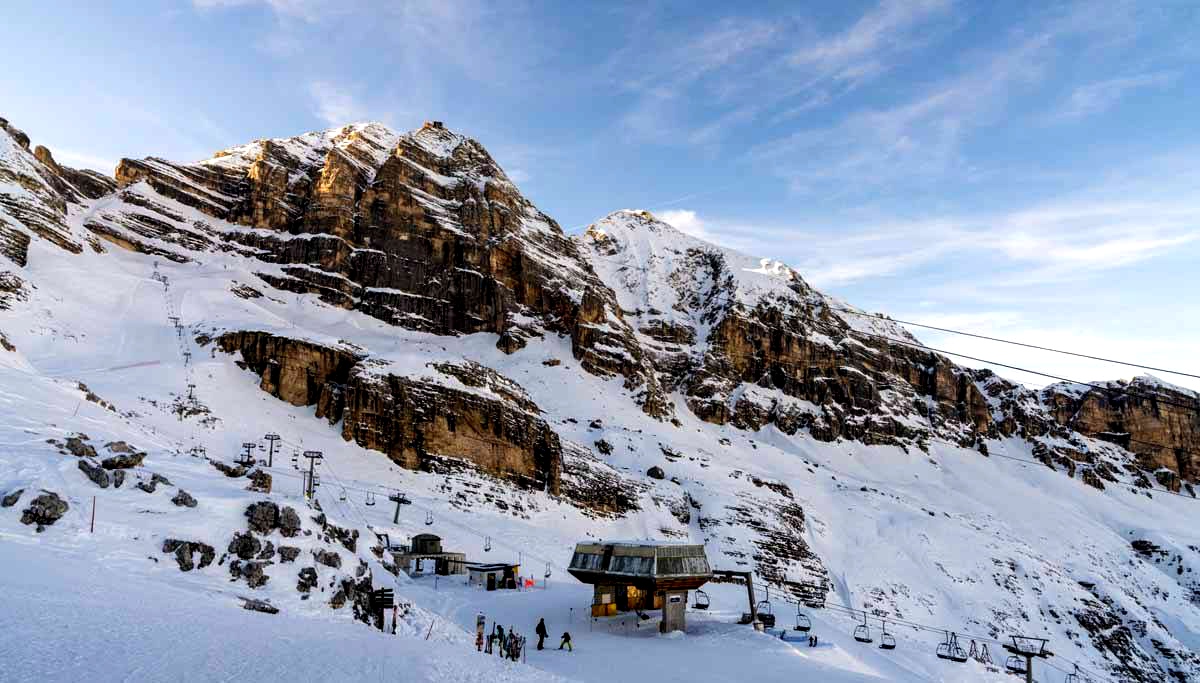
122,462
604,447
552,362
263,516
289,522
152,485
596,424
45,510
77,446
245,545
94,472
308,580
119,447
347,537
656,472
268,551
233,472
259,606
259,481
327,558
10,499
251,571
288,553
118,478
184,499
185,549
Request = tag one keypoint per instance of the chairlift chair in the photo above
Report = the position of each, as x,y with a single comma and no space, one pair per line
765,615
547,574
428,518
487,544
700,600
342,495
370,499
803,623
886,640
951,650
1015,664
862,632
1076,677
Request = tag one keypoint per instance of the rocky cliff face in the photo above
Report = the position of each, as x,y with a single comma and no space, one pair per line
421,230
749,343
413,421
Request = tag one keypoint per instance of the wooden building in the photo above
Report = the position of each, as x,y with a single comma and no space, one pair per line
427,548
639,576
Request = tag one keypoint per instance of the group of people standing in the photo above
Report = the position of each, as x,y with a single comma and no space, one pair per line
511,645
542,633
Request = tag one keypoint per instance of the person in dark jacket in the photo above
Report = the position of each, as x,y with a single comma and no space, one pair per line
566,642
541,633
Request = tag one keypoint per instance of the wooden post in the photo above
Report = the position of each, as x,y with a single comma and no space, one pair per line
93,527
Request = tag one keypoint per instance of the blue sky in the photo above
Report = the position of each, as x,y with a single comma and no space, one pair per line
1029,170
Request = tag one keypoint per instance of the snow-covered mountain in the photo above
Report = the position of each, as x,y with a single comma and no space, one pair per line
392,300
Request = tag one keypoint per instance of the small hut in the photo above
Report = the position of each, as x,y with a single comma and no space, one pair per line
493,576
635,576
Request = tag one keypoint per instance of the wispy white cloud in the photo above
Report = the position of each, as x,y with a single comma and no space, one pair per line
863,50
1099,96
335,105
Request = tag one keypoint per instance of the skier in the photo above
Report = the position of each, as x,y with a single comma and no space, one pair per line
566,642
541,633
500,639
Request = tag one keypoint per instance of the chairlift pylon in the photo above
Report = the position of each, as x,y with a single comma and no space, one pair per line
700,600
803,623
886,640
951,650
862,632
370,499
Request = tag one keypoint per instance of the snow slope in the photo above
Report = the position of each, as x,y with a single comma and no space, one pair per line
946,539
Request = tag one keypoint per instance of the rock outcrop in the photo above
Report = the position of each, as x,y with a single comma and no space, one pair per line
422,230
44,510
413,421
185,552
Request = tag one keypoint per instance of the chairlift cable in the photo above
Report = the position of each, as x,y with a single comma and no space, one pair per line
879,316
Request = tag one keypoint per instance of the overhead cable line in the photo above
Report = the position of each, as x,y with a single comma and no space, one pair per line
879,316
1151,397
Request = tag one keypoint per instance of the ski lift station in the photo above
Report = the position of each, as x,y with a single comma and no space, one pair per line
636,576
423,547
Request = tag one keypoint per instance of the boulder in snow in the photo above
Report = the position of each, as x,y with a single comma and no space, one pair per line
656,472
184,499
123,461
10,499
94,472
44,510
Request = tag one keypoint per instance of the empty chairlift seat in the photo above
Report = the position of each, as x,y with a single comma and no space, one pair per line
701,600
886,640
951,650
862,633
803,623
